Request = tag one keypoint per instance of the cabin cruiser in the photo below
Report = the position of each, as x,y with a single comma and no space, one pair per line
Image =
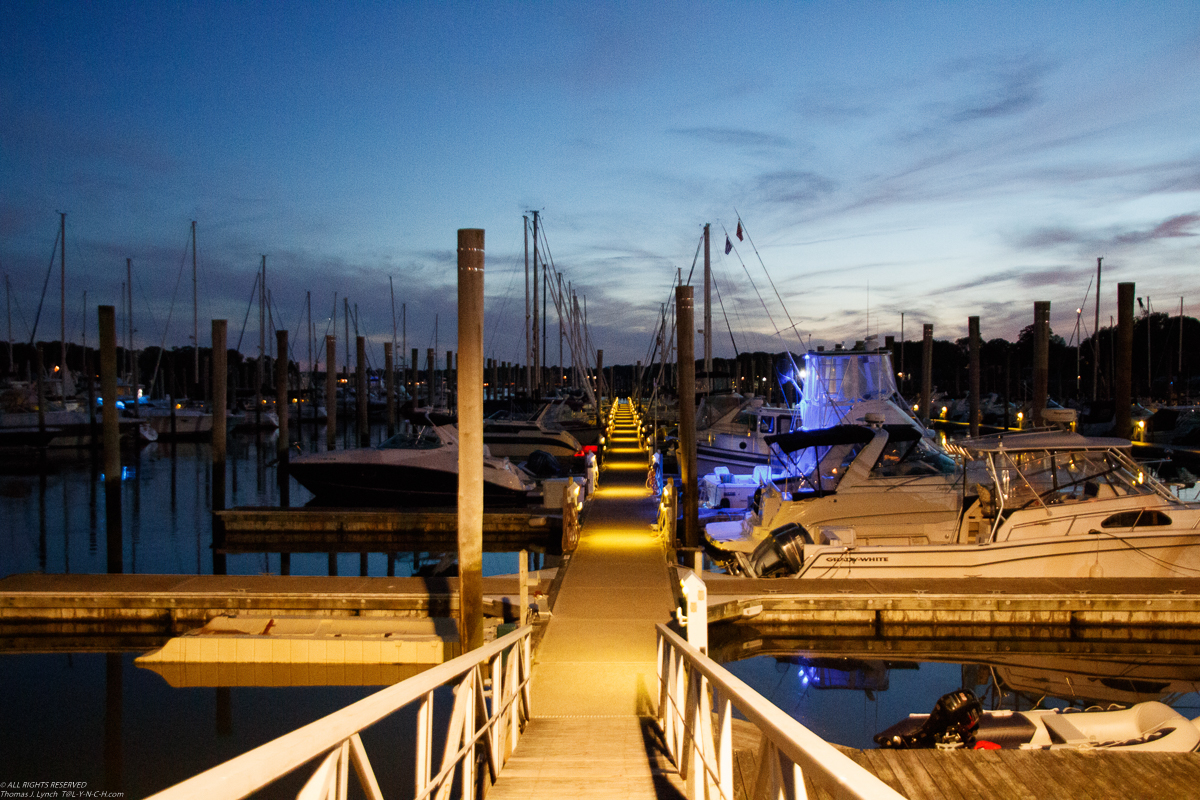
185,423
958,720
515,436
415,468
1038,504
872,484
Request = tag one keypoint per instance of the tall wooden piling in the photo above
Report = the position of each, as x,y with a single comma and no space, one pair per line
281,410
40,364
220,360
1123,377
330,392
413,378
360,391
599,387
470,437
1041,360
389,369
973,333
926,373
450,399
112,439
431,373
686,336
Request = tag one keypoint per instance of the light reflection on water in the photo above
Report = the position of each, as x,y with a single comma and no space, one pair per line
96,717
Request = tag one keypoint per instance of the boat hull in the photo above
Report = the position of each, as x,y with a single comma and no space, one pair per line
394,486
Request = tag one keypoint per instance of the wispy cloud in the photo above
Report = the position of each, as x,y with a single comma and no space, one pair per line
1168,229
736,138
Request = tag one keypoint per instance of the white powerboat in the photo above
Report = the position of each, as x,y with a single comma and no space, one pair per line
859,484
958,720
416,468
511,436
1037,505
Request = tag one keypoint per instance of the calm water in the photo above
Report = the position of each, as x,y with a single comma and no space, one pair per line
95,717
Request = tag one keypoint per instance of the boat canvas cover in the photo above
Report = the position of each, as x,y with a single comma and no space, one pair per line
838,435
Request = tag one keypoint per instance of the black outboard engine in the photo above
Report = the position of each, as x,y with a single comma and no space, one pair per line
951,725
542,464
782,553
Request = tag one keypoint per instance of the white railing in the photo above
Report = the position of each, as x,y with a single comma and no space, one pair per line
491,705
702,747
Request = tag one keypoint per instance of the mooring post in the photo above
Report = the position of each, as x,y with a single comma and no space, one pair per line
220,361
330,392
523,587
389,370
973,333
413,378
281,410
451,401
360,389
1041,360
41,390
112,440
686,336
926,374
470,437
431,375
1123,379
599,385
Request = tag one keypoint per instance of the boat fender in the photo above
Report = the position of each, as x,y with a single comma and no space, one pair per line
950,725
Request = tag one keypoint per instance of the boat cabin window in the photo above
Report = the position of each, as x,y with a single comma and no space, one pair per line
417,439
745,421
912,458
766,424
1136,519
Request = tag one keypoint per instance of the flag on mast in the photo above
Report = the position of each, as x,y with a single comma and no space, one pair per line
739,230
728,244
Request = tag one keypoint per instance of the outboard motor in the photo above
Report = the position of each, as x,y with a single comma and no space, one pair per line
542,464
782,553
951,725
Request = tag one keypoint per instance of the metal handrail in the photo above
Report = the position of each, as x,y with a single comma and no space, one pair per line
703,751
336,736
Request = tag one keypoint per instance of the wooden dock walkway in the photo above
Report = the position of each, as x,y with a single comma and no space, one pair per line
594,680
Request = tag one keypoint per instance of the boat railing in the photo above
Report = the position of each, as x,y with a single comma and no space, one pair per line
491,705
668,513
693,687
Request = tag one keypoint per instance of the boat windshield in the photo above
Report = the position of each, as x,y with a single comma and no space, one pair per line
1024,478
818,469
911,458
416,439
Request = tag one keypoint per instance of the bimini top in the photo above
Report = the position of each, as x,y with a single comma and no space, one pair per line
839,434
1040,440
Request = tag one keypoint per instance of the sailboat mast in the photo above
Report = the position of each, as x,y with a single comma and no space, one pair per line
63,301
535,361
707,313
195,316
1096,337
262,339
133,365
528,372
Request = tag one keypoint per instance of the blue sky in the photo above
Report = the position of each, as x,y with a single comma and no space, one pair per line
937,159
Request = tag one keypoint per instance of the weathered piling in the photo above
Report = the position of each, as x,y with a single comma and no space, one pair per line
330,393
431,372
112,439
220,361
362,404
281,410
470,437
926,373
414,380
686,333
1123,377
389,371
973,333
450,395
40,364
599,385
1041,360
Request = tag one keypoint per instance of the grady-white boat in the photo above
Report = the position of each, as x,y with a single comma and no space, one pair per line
417,468
1034,505
958,720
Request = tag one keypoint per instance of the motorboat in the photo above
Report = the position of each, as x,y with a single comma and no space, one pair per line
958,720
415,468
736,438
184,423
1038,504
517,437
854,484
66,428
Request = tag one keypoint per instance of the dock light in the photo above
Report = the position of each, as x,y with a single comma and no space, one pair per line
56,367
944,410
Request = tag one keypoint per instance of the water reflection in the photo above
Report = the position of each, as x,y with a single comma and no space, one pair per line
847,690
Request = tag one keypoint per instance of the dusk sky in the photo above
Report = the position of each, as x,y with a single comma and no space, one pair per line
937,159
